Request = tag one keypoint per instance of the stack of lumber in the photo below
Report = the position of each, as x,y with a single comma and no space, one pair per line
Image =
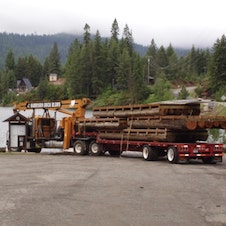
161,108
169,121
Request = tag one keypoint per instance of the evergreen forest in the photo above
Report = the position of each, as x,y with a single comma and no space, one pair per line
112,71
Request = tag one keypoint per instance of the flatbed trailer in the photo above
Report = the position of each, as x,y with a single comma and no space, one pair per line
168,129
90,143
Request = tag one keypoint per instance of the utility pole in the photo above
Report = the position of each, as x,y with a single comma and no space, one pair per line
149,58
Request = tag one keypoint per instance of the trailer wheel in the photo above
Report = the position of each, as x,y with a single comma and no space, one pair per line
95,149
149,153
172,155
80,148
208,160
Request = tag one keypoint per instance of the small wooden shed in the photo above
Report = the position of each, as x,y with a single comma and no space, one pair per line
17,139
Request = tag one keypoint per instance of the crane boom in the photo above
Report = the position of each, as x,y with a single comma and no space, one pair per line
75,108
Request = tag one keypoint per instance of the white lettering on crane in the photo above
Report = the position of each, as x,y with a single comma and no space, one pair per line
55,104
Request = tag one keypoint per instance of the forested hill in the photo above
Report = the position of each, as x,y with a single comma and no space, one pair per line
39,45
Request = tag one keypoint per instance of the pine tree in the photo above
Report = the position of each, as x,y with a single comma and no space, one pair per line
162,60
112,63
73,70
10,61
54,65
46,67
43,89
152,50
8,76
86,35
98,66
8,81
183,94
202,62
150,64
192,57
173,63
33,70
86,72
138,90
127,40
218,65
124,71
115,30
20,68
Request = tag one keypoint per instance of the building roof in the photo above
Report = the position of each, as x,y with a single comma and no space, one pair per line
17,117
26,82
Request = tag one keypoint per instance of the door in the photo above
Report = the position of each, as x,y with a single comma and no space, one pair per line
16,131
21,142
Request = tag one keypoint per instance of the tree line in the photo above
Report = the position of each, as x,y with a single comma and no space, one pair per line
111,71
37,45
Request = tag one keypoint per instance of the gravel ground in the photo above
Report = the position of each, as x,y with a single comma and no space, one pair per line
64,189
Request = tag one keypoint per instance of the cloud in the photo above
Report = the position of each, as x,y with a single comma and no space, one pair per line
180,22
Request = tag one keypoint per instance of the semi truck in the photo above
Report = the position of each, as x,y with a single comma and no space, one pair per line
175,129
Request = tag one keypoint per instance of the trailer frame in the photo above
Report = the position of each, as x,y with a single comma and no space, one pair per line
151,150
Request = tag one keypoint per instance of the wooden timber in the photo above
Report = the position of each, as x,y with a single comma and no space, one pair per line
102,123
150,122
161,108
146,135
155,135
178,122
126,111
206,122
154,122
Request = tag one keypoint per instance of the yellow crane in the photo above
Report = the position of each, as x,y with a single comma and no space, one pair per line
44,128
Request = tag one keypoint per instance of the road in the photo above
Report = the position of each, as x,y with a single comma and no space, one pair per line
176,91
44,189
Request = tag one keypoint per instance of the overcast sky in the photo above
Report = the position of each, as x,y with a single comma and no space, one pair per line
179,22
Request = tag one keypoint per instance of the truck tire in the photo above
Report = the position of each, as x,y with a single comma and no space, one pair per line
149,153
208,160
95,149
80,148
172,155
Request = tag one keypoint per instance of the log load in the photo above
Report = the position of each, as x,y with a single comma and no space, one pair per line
206,122
178,122
161,108
168,121
102,123
163,135
157,122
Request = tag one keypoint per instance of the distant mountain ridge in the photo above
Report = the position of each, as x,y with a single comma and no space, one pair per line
40,45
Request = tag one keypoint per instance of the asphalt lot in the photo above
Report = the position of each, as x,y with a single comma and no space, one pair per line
43,189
